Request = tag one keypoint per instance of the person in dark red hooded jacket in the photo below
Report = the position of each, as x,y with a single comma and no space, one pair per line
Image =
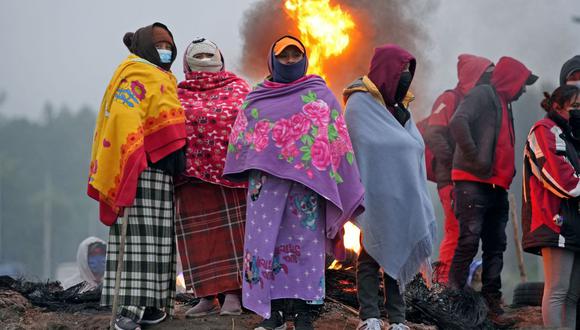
471,70
483,169
398,226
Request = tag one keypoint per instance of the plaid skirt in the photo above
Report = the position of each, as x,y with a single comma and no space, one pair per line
210,235
148,277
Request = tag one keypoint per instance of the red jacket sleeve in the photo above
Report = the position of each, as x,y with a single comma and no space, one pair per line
552,166
437,134
443,109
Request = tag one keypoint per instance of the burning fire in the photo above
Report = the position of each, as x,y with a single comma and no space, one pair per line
324,30
352,237
180,283
351,241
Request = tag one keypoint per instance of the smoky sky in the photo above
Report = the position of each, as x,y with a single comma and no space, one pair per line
65,51
377,22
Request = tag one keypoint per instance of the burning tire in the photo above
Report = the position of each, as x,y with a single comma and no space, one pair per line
529,294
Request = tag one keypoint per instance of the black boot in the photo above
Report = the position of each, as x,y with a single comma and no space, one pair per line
496,313
276,320
302,315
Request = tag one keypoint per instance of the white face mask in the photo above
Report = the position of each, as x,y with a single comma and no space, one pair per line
573,83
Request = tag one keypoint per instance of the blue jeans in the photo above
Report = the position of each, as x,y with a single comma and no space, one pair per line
482,211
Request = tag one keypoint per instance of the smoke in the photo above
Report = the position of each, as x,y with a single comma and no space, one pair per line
377,22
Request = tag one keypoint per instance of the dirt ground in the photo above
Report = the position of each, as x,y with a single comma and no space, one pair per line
16,313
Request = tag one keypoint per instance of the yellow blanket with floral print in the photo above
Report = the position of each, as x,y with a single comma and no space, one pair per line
140,120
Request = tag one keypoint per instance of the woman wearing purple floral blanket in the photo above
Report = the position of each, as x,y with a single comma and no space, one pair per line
292,144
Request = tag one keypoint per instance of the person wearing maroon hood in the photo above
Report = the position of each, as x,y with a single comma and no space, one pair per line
471,70
398,226
483,169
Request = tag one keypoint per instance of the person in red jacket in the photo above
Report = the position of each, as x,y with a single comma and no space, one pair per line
483,169
551,195
471,70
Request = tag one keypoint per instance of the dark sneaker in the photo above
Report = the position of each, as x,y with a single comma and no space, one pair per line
275,322
494,303
302,315
303,321
496,314
153,316
125,323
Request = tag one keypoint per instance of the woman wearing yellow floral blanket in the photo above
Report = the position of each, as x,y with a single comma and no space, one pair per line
137,148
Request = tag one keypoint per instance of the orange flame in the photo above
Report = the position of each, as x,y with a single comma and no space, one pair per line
180,283
324,30
351,241
351,237
336,265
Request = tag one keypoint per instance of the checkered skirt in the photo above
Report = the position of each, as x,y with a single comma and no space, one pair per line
148,277
210,235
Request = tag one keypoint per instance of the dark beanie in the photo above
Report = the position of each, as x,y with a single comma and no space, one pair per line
571,66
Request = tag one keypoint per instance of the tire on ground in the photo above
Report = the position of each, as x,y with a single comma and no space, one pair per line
529,294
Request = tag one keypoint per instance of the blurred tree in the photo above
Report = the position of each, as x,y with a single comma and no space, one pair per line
56,149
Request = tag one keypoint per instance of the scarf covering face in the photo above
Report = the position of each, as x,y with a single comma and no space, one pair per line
297,132
287,73
211,101
398,226
140,119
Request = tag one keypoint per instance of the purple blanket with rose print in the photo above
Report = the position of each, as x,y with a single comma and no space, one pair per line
297,132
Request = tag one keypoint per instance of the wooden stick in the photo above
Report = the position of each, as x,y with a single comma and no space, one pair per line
519,252
346,307
124,219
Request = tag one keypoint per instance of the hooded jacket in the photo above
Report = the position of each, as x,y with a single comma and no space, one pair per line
483,127
571,66
470,68
551,187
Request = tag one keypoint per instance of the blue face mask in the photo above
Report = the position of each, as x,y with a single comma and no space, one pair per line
97,264
164,55
287,73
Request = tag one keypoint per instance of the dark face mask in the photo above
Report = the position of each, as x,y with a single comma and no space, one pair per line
287,73
403,86
574,122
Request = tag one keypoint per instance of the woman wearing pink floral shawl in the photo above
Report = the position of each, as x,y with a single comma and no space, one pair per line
292,144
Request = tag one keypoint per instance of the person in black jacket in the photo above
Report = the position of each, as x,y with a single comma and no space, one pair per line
483,168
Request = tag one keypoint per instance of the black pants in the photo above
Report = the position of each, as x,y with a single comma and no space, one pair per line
367,284
482,211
